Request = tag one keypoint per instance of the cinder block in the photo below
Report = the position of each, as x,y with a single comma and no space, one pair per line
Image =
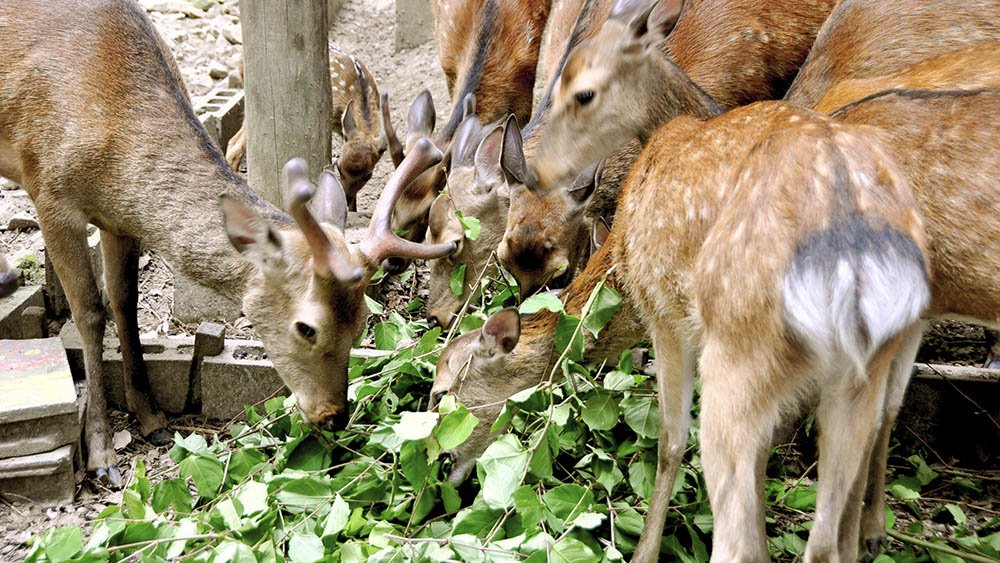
33,324
238,376
13,306
414,23
221,112
194,302
38,403
45,478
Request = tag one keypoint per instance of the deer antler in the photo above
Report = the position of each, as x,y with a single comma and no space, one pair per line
395,147
380,242
328,261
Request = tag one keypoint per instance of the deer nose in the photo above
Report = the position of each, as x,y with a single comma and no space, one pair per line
335,421
432,321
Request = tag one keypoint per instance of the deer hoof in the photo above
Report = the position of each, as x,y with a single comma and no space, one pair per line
873,547
160,437
992,363
109,477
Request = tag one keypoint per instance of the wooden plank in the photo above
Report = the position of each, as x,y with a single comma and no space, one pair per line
288,103
955,373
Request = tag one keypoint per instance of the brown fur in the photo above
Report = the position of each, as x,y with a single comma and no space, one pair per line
108,137
863,39
973,67
364,144
677,255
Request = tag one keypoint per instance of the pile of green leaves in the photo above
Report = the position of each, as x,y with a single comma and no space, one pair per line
569,479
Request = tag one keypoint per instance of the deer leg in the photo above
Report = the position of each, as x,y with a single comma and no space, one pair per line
873,535
674,385
738,416
66,244
850,417
121,268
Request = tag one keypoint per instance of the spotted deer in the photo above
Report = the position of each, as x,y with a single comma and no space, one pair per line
815,288
109,137
719,55
361,119
8,278
682,207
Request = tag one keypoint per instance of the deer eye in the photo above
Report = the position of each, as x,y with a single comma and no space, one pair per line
584,97
306,331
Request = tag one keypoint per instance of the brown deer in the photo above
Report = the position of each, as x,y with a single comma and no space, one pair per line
357,109
736,52
8,278
108,137
771,295
665,291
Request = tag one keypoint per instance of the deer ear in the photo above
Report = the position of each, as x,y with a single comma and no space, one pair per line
463,147
347,123
585,183
420,119
649,23
250,235
501,332
329,205
512,161
599,233
488,157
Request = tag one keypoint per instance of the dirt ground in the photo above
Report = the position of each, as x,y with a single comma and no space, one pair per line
201,40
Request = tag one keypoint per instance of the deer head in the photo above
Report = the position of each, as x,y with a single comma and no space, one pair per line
305,297
363,147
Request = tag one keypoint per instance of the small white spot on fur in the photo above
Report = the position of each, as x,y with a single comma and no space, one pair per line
794,118
737,233
342,83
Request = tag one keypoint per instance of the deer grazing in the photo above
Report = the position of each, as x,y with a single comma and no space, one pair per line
726,54
109,137
690,223
361,120
682,297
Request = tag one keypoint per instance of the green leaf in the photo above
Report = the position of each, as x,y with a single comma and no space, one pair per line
455,428
415,425
801,498
337,519
205,472
234,552
924,473
133,505
641,475
905,488
541,301
172,492
957,513
62,543
470,323
305,492
227,510
253,497
467,547
244,461
413,461
567,501
450,497
476,522
387,335
470,225
500,469
571,550
641,416
565,331
457,280
588,520
618,381
628,521
603,305
600,412
528,506
187,528
305,548
374,306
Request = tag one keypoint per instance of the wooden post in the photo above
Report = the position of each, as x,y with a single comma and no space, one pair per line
287,74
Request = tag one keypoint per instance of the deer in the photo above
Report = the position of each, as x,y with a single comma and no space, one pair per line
712,56
8,278
356,107
950,180
109,137
689,222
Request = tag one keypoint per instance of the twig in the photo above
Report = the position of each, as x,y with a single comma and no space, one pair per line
446,541
158,541
12,507
939,548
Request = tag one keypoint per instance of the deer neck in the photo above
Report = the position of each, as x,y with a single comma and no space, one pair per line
671,92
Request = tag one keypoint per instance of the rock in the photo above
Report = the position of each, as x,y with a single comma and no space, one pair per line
7,185
233,34
217,71
22,221
203,4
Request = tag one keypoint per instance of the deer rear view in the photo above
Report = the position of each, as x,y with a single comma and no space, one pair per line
787,251
109,137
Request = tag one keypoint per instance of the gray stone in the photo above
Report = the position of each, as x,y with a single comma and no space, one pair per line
33,323
228,383
38,403
21,221
210,339
8,185
194,302
414,23
44,478
217,71
13,306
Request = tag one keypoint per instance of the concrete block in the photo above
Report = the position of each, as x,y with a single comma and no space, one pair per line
209,340
194,302
12,308
38,403
414,23
33,323
44,478
240,375
221,112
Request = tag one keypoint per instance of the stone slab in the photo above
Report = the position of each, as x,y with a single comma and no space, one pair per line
44,478
13,306
38,402
238,376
